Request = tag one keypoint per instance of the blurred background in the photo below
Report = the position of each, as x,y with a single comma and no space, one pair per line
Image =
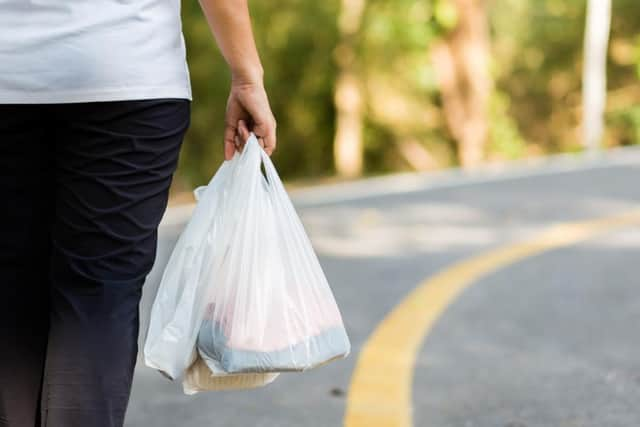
473,296
365,87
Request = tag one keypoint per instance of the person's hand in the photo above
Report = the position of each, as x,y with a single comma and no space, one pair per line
248,110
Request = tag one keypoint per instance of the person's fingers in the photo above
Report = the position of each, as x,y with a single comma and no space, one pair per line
243,131
267,130
229,149
233,112
229,142
256,105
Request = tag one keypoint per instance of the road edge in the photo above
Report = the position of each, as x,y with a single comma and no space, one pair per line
450,178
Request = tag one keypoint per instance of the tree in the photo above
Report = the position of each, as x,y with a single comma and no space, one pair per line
347,145
594,80
461,60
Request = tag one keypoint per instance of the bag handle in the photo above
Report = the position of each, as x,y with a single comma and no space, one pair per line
270,169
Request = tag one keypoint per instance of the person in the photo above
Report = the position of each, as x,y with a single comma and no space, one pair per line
94,104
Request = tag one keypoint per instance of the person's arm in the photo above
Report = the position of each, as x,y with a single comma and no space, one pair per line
248,106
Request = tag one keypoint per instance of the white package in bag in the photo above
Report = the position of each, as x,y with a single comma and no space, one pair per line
198,377
243,289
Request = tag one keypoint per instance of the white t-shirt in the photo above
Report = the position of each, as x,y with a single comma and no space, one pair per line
59,51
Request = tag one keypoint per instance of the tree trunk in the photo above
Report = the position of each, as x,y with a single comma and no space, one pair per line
594,72
347,145
461,61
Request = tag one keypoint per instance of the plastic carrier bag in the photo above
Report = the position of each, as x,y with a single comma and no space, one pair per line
243,291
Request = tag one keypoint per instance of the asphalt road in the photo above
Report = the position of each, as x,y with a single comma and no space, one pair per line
552,340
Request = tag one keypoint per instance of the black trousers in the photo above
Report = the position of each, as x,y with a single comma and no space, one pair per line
83,188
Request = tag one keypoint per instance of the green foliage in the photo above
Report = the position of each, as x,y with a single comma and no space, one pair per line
445,14
537,48
627,123
296,41
505,141
536,65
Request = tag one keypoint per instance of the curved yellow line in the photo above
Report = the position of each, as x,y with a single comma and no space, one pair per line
380,390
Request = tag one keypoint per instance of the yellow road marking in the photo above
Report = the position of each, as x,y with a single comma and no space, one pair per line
380,390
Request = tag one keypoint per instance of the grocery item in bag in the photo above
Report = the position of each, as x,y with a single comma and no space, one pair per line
199,377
